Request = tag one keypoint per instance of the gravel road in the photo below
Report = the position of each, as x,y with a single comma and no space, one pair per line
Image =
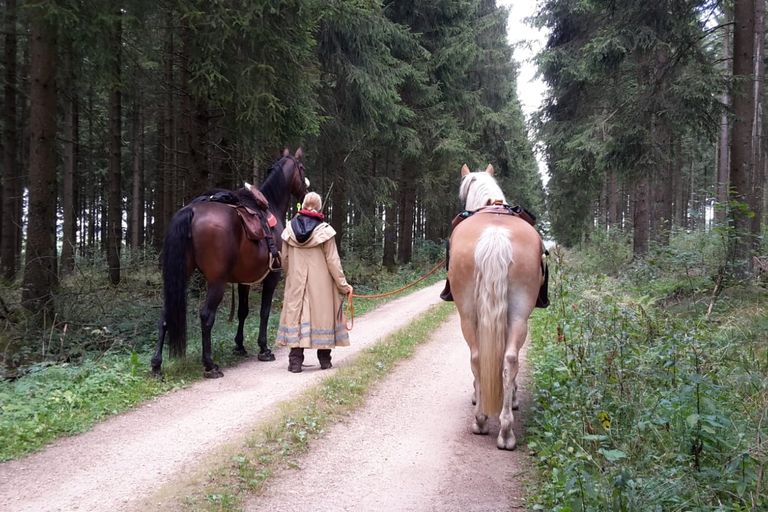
128,457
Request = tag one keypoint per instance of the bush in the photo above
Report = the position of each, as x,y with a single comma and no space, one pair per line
642,407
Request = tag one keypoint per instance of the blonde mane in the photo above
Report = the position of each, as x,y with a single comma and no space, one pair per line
479,189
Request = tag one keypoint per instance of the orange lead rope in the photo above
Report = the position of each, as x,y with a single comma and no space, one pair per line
351,306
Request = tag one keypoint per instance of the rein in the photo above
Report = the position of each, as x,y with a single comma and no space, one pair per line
350,296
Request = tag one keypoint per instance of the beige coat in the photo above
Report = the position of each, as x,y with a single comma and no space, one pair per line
312,315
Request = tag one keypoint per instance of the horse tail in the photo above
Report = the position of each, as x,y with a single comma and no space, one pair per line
493,256
175,253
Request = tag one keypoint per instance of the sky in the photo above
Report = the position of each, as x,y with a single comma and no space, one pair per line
527,42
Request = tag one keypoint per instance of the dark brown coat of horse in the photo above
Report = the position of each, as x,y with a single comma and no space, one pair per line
209,236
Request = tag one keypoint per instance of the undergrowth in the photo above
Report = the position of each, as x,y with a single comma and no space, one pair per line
61,375
642,401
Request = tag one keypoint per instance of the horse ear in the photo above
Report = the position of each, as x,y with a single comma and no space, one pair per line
299,154
247,185
489,169
286,152
464,170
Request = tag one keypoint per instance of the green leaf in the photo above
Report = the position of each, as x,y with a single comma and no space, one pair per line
613,455
692,420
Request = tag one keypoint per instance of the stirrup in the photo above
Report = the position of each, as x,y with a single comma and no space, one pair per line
274,263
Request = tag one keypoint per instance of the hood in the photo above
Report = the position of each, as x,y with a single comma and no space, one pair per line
303,226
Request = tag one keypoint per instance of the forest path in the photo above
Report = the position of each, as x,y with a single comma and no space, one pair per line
128,457
410,447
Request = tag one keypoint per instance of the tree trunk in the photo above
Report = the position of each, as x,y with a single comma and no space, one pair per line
158,195
741,143
40,263
12,185
68,192
614,204
390,223
339,200
723,147
407,209
758,155
641,217
114,220
137,193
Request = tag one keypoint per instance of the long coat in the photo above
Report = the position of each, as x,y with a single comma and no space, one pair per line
312,315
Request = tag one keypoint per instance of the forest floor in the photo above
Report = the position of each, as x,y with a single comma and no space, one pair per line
408,448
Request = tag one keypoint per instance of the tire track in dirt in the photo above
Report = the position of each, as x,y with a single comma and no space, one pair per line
410,447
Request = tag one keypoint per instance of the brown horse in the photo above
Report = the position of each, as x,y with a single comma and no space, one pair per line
209,236
495,275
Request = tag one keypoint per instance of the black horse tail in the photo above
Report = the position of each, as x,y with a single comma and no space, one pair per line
175,250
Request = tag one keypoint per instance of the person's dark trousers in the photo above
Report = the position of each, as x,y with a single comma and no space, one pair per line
324,356
295,358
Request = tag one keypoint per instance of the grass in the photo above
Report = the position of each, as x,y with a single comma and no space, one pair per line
642,402
278,442
92,359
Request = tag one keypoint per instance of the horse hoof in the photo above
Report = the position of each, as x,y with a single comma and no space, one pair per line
481,431
506,444
213,373
240,351
266,356
157,374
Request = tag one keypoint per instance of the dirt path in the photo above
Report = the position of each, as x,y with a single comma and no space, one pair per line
130,456
410,448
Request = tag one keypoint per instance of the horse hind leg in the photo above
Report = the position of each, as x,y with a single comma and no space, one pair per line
157,359
243,291
207,318
480,422
506,439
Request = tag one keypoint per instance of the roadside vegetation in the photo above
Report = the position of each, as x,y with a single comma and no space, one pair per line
643,400
62,375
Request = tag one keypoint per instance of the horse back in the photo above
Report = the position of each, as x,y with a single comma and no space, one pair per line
525,275
221,249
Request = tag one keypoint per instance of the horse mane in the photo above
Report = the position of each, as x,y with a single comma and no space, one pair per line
479,189
274,186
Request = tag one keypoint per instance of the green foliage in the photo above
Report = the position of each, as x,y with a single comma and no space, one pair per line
643,406
633,86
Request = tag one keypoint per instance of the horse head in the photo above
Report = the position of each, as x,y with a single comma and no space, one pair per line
479,189
293,171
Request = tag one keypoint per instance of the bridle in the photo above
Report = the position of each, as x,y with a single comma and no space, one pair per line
301,183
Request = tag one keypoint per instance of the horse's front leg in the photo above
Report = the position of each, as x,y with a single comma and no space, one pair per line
207,318
267,291
243,290
517,333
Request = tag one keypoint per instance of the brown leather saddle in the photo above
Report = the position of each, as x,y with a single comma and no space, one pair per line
257,221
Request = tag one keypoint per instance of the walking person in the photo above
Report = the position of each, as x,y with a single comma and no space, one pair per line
312,315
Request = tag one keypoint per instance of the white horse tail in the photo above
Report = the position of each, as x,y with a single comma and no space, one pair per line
493,256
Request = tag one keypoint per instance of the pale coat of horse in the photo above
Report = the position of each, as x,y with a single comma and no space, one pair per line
495,274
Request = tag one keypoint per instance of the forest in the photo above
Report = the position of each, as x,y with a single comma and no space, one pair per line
116,114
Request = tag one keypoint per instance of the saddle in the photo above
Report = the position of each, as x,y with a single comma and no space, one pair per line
257,223
499,208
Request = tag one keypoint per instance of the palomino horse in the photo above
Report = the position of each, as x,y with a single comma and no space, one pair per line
495,275
209,236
